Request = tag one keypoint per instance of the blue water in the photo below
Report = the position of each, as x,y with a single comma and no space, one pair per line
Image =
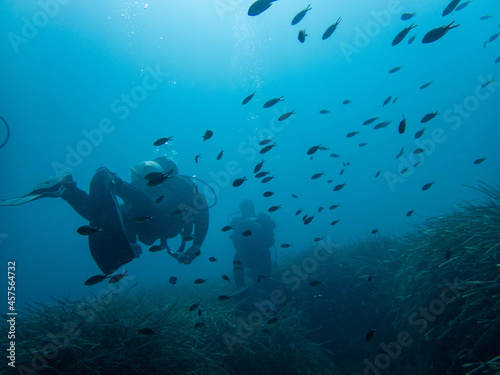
68,76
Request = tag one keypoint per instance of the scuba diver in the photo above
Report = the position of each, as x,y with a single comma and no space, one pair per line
158,203
252,237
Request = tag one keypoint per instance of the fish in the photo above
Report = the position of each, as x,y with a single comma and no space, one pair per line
334,206
370,277
381,125
268,194
159,199
437,33
494,37
409,213
394,70
227,228
223,297
339,187
159,179
402,34
178,211
196,158
285,245
313,149
265,180
272,320
377,174
162,141
302,36
248,98
370,120
237,262
95,280
298,17
352,134
200,281
400,153
487,17
345,102
295,196
226,278
497,60
272,102
320,209
87,230
428,117
208,134
479,161
200,311
416,164
374,231
298,212
155,248
284,116
462,6
370,334
213,259
450,7
146,331
259,6
447,255
194,306
267,148
487,83
142,219
425,85
308,220
316,283
324,111
201,324
258,167
317,175
418,151
239,181
386,101
342,172
172,280
331,29
334,222
220,155
274,208
395,99
265,142
318,239
427,186
404,170
363,144
262,174
412,39
188,238
402,125
420,133
247,233
407,16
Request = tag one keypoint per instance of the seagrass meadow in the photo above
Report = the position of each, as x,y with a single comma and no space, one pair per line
430,299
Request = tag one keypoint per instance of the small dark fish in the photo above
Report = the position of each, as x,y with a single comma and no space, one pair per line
237,262
200,281
324,111
172,280
493,37
333,207
374,231
201,324
370,277
87,230
370,334
323,148
334,222
95,280
427,186
402,125
268,194
487,83
386,101
400,153
317,175
479,161
416,164
259,6
395,99
265,142
247,233
146,331
340,186
370,120
285,245
194,306
142,219
258,167
409,213
346,164
295,196
487,17
155,181
352,134
407,16
284,116
298,212
302,36
197,157
428,117
267,148
313,149
347,101
212,259
425,85
262,174
159,199
225,277
412,39
274,208
316,283
265,180
404,170
318,239
394,70
437,33
308,220
260,278
447,255
462,6
320,209
363,144
223,298
381,125
162,141
450,7
272,102
226,228
248,98
208,134
377,174
272,320
178,211
420,133
220,155
188,238
418,151
342,172
331,29
239,181
155,248
497,60
200,311
298,17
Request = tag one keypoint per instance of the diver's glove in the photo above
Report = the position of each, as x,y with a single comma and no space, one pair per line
189,255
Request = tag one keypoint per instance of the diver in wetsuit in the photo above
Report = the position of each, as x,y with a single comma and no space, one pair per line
252,236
